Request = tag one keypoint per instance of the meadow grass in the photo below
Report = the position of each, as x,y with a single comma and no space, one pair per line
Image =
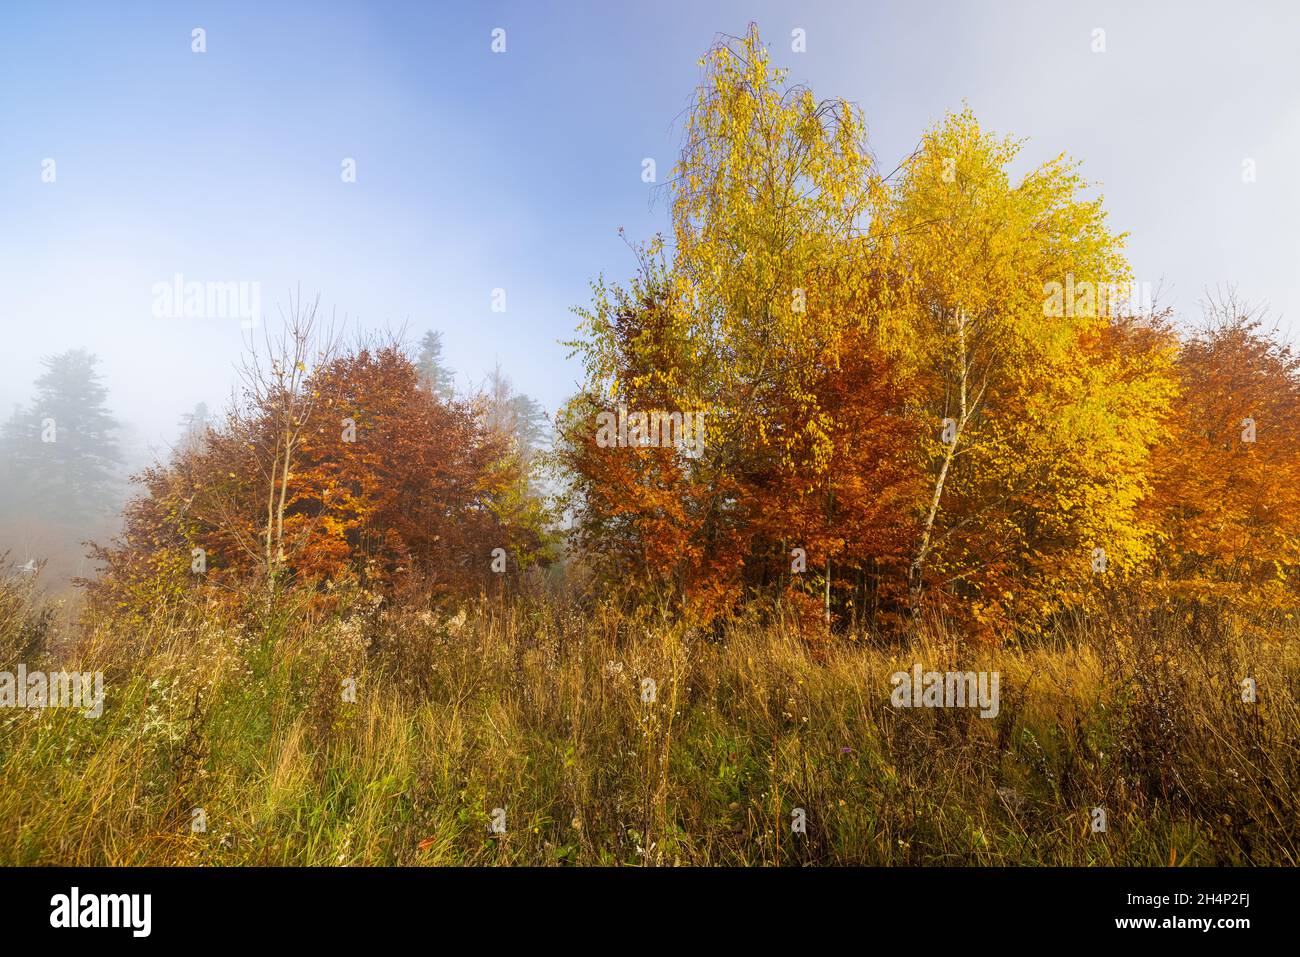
536,707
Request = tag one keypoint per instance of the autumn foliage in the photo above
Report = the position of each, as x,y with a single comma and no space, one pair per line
922,394
386,483
1227,480
925,393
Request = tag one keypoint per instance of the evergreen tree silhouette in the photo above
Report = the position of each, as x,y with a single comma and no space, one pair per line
434,374
60,455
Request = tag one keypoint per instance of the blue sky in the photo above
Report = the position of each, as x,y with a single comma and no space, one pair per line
478,170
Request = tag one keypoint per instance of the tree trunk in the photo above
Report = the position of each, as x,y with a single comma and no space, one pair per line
916,572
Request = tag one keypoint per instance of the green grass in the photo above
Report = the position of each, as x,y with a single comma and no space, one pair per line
521,708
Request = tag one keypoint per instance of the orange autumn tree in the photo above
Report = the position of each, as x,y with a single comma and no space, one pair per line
638,511
388,484
759,311
395,482
1227,494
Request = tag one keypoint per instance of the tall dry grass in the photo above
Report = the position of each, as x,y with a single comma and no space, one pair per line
537,708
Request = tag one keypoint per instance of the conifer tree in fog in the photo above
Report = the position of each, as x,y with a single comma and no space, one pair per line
194,427
516,415
434,374
60,454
